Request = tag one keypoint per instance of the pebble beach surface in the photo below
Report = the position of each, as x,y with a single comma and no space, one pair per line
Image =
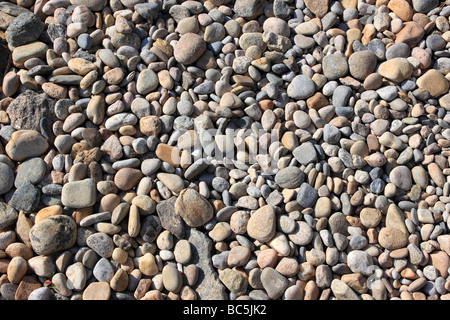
224,149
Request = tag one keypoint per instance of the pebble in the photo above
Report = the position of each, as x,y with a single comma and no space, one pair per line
193,208
79,194
224,150
53,234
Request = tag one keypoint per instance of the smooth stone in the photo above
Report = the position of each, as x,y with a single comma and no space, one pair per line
189,48
307,195
391,238
79,194
401,177
101,243
434,82
172,278
97,291
273,282
396,69
147,81
334,66
305,153
302,235
361,64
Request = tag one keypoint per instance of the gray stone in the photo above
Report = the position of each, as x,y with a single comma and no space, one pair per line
301,87
101,243
424,6
307,195
398,50
334,66
169,219
248,8
290,177
29,107
305,153
273,282
53,234
341,95
6,178
79,194
103,270
43,293
360,262
32,170
150,228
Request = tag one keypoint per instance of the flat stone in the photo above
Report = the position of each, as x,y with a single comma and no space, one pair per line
97,291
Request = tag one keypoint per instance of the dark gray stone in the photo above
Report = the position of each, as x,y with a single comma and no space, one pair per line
290,177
